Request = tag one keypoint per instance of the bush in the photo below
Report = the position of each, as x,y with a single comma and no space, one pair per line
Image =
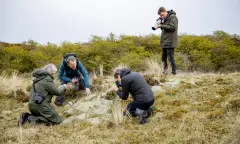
217,52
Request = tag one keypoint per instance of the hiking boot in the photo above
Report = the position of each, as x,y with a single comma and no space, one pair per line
31,121
149,112
142,115
174,73
23,117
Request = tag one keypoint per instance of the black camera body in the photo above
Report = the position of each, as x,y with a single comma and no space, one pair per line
38,98
119,85
159,21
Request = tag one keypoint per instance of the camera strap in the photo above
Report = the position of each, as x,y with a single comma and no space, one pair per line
34,89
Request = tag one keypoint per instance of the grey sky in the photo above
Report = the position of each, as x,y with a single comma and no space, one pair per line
76,20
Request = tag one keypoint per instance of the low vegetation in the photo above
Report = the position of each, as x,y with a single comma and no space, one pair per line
202,108
217,52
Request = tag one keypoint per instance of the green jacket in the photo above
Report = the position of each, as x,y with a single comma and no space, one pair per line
169,36
45,86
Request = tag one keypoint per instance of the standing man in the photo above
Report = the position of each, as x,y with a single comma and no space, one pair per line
169,37
72,71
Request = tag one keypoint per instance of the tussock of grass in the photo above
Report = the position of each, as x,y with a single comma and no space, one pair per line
117,112
102,83
153,66
13,82
154,79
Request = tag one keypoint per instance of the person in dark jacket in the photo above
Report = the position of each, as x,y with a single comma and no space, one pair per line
134,83
43,113
169,37
72,71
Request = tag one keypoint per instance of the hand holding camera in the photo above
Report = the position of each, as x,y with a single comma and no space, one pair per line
115,88
158,23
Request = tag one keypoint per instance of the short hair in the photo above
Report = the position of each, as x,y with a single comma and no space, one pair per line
51,68
161,9
116,73
70,58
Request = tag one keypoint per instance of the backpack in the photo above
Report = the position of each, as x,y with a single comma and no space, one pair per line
66,56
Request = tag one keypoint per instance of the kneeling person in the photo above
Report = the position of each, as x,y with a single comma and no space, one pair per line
41,95
71,71
134,83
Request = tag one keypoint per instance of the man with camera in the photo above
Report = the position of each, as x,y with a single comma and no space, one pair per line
132,82
168,23
72,71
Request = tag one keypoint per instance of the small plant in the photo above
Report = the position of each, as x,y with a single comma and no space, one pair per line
117,112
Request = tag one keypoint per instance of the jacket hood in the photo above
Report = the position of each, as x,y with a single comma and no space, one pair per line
124,72
171,12
40,74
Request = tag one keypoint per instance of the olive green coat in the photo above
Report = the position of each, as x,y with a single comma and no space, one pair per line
45,86
169,36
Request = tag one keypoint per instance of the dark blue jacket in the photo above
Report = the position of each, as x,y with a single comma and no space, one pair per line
67,74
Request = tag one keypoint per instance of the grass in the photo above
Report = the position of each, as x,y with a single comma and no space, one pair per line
203,108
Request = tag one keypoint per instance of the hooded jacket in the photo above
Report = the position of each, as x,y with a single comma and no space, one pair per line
44,85
134,83
169,36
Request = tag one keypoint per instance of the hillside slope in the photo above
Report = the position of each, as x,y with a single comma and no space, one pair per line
189,108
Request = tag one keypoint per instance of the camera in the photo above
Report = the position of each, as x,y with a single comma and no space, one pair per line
119,85
159,21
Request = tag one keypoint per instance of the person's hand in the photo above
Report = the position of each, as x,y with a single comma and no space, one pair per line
74,80
66,86
88,91
159,26
115,88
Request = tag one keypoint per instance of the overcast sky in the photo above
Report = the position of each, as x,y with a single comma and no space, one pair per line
56,21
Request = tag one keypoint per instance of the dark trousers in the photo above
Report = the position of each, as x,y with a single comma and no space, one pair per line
78,86
168,53
132,106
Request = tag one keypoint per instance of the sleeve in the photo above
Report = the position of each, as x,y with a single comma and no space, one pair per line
61,75
125,90
84,72
171,26
52,88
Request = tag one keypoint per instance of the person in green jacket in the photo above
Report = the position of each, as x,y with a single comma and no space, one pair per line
43,84
169,37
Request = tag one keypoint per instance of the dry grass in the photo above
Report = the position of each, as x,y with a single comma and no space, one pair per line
153,66
117,112
13,82
203,108
15,87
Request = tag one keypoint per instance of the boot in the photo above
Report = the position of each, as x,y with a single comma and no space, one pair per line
141,114
31,120
23,118
149,112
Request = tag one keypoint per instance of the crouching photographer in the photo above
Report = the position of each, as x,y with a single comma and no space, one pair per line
132,82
